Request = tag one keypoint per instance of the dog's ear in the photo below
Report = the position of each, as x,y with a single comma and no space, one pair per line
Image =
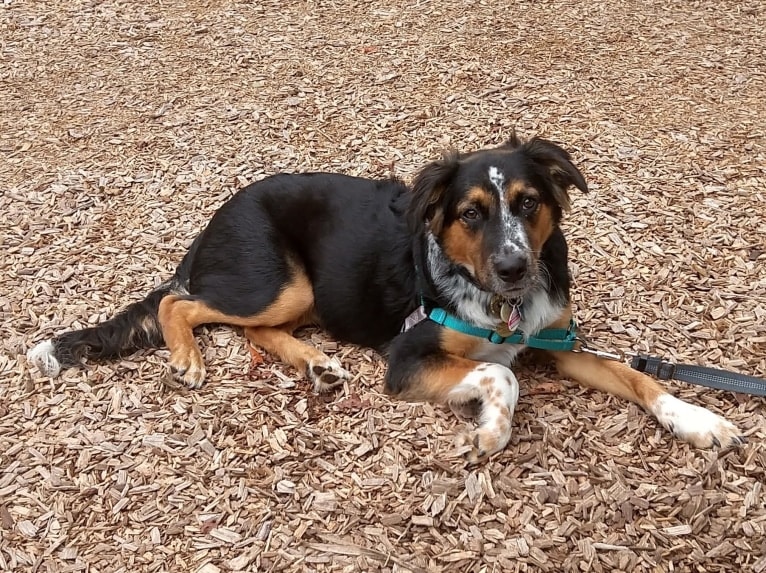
428,192
512,142
560,168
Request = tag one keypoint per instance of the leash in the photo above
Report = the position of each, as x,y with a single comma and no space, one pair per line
701,375
567,340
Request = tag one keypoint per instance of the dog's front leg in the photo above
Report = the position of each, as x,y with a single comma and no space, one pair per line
694,424
445,378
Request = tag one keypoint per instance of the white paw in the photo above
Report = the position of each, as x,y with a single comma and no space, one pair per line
326,373
698,426
493,390
43,356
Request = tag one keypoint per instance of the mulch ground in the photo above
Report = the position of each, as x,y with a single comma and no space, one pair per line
124,125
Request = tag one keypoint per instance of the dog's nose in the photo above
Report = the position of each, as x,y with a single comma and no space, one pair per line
512,267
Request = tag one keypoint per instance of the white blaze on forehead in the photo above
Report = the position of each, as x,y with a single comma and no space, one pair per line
498,181
514,235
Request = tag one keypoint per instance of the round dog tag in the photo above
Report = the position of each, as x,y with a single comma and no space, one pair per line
505,312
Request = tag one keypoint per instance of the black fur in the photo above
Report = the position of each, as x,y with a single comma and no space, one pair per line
560,170
413,351
135,327
428,189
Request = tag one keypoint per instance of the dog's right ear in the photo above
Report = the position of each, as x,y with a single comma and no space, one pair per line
428,189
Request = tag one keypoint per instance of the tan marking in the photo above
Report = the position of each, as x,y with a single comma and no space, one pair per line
459,344
282,344
609,376
463,245
476,196
435,382
179,316
515,188
540,227
605,375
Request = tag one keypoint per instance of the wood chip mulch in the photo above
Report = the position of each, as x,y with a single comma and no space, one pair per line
124,125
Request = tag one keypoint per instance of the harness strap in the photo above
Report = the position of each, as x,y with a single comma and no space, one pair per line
556,339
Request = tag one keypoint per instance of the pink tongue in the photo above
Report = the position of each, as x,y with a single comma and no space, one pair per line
514,319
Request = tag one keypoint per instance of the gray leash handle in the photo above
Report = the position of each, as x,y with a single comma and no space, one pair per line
701,375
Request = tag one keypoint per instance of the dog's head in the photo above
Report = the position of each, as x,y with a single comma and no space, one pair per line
491,211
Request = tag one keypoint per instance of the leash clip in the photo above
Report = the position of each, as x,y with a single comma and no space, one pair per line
618,356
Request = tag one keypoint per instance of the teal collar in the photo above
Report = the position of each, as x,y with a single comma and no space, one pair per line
557,339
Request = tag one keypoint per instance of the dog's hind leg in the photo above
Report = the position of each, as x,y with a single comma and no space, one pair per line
325,372
270,328
178,316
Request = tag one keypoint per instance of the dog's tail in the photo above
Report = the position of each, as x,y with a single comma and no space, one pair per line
135,327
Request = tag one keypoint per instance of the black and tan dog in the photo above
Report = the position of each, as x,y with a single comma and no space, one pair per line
477,236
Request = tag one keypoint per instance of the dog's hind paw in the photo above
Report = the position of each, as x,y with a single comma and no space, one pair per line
326,373
696,425
188,370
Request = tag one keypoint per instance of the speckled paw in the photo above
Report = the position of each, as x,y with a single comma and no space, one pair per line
481,443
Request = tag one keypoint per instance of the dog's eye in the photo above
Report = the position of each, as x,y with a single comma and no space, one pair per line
529,204
470,214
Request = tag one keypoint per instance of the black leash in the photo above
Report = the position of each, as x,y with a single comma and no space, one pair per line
701,375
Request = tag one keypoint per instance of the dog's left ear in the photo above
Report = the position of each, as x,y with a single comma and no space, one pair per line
560,168
513,142
428,191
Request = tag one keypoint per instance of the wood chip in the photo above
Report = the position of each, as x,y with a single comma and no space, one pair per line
678,530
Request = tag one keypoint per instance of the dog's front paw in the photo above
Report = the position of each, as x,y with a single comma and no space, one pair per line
187,368
477,445
696,425
326,373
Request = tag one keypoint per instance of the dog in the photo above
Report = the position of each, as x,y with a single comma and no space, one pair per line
476,237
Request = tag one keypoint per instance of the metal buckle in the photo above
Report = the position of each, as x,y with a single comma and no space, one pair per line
619,355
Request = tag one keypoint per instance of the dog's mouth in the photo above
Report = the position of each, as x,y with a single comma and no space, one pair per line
511,290
515,292
498,287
